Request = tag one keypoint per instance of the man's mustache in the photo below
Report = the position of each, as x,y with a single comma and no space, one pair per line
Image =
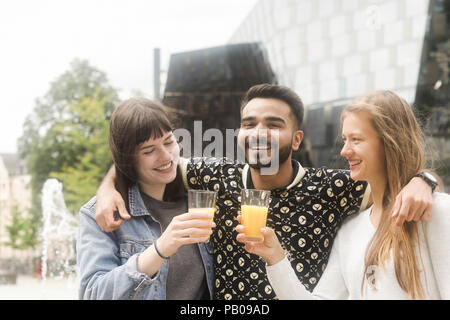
260,142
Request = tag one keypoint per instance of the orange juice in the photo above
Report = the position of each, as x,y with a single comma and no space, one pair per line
206,210
253,219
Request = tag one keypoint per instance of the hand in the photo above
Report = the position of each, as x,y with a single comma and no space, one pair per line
185,229
269,249
110,201
414,202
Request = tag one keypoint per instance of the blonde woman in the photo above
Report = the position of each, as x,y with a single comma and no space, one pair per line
372,258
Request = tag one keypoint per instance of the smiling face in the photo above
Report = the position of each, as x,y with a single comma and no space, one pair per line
267,123
157,159
363,148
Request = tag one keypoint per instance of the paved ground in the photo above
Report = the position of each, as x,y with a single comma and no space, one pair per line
29,288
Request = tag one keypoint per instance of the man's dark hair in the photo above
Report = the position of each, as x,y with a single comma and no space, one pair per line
279,92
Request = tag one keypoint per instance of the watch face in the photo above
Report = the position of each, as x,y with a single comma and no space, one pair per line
430,176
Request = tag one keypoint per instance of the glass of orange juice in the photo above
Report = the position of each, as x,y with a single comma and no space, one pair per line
254,207
202,201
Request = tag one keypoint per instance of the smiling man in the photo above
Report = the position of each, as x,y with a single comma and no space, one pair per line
308,205
270,131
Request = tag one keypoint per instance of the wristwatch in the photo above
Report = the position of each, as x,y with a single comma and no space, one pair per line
428,178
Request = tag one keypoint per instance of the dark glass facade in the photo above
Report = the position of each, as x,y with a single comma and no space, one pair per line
432,100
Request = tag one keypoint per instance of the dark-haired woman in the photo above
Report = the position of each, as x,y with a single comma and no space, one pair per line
161,251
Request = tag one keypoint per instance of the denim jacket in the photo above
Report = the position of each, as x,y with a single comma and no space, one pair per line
107,261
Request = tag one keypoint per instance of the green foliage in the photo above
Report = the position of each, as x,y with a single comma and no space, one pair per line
66,134
88,131
21,233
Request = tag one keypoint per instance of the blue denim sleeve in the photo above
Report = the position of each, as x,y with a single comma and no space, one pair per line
101,275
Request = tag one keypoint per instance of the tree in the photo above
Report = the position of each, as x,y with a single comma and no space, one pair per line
88,132
20,232
65,136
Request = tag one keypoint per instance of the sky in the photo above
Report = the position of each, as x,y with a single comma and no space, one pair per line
39,39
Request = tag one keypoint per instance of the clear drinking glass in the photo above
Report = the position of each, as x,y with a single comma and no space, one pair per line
202,201
254,207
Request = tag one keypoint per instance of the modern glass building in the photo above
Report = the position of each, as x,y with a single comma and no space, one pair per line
331,51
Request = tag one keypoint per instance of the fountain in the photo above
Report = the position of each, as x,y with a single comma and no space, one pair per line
59,234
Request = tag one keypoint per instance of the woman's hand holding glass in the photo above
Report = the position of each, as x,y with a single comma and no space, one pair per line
186,228
269,249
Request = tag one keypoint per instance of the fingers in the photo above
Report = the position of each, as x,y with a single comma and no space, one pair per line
169,243
424,210
428,204
192,240
241,237
193,215
416,213
403,214
269,249
105,220
414,202
405,210
412,208
185,229
110,217
111,224
427,214
270,238
397,205
251,247
194,223
191,232
110,220
123,210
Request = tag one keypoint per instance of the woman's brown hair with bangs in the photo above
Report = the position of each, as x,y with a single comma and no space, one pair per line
133,122
403,141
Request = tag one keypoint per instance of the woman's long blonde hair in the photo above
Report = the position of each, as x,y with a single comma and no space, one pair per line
403,141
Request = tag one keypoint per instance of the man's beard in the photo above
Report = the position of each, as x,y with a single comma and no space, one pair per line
284,153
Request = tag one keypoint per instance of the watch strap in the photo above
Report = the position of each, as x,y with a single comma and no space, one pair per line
431,183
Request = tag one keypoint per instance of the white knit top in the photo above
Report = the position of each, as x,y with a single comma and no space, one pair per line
343,275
